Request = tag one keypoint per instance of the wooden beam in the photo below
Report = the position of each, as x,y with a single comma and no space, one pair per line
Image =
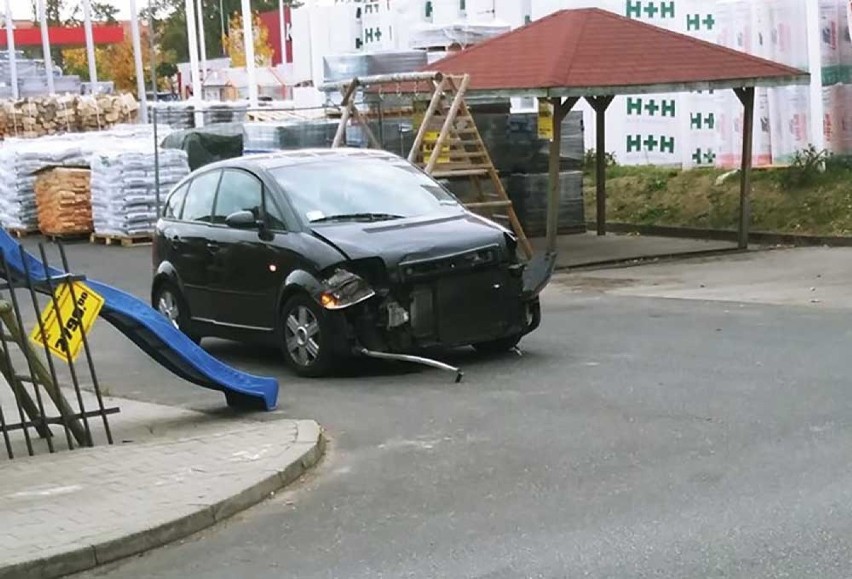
378,79
448,122
427,116
341,128
600,104
746,96
560,110
348,107
374,142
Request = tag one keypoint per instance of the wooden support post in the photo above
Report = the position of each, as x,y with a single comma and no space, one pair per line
746,96
427,116
460,89
560,110
374,142
42,375
600,104
347,105
24,399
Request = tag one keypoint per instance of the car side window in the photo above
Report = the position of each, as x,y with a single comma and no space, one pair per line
174,203
274,215
238,191
199,198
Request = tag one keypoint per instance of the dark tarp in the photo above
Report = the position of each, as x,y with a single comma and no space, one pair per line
208,144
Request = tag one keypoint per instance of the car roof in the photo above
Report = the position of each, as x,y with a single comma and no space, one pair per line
284,158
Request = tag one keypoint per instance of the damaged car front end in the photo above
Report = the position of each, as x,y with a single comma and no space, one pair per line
475,296
418,271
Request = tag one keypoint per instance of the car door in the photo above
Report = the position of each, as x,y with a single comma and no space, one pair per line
168,227
245,274
189,241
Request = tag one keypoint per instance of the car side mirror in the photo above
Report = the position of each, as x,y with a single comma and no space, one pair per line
242,220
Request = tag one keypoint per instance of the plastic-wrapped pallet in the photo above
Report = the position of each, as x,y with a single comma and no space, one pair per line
20,159
124,191
64,201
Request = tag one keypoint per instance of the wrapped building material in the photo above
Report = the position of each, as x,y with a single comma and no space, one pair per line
124,191
20,160
529,198
209,144
459,33
340,67
64,201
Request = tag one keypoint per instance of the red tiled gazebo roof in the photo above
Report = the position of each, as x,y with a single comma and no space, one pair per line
593,51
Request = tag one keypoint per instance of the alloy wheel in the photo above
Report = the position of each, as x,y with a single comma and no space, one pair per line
301,334
168,306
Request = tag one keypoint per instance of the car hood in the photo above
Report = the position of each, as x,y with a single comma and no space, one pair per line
412,239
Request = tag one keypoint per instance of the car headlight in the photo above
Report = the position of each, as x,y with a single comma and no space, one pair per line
344,289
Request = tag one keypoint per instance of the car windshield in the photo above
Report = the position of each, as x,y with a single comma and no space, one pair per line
371,189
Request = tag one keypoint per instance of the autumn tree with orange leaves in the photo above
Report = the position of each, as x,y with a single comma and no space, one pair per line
235,48
115,62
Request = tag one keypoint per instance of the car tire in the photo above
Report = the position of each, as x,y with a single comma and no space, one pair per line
498,346
169,302
306,337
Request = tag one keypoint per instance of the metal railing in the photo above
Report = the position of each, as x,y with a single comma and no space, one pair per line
34,377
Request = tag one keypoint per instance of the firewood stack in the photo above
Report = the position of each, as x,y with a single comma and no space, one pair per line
99,112
36,117
64,200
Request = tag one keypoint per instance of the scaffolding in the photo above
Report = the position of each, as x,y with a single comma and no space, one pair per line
447,144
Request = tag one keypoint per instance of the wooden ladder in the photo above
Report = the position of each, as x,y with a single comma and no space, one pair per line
448,145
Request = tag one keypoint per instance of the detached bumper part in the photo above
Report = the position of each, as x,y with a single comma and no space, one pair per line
415,359
344,289
538,273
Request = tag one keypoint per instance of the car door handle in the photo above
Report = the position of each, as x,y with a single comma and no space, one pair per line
176,241
212,246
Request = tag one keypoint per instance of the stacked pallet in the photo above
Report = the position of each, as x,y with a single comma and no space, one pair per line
20,160
125,192
64,201
40,116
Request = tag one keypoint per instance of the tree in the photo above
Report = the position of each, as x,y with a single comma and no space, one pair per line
116,63
65,13
171,28
101,12
235,47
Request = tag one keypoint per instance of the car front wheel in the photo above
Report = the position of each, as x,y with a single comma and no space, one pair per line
170,303
306,334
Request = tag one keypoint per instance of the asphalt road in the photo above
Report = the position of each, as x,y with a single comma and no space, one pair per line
636,437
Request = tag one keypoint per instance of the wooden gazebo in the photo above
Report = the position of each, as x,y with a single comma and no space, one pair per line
596,55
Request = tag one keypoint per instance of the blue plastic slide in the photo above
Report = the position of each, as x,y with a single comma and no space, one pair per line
156,336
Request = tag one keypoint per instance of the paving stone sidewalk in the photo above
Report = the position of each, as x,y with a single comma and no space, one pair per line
71,511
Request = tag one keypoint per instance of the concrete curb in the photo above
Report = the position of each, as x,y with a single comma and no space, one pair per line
646,259
757,237
309,447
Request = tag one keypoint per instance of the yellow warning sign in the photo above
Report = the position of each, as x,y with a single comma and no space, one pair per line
63,333
545,120
430,138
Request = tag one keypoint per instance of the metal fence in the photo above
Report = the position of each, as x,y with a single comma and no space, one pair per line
512,141
35,406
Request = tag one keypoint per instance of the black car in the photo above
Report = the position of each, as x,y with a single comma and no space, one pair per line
334,252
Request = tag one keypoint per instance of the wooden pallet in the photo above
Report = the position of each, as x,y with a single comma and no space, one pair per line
54,237
122,240
20,232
